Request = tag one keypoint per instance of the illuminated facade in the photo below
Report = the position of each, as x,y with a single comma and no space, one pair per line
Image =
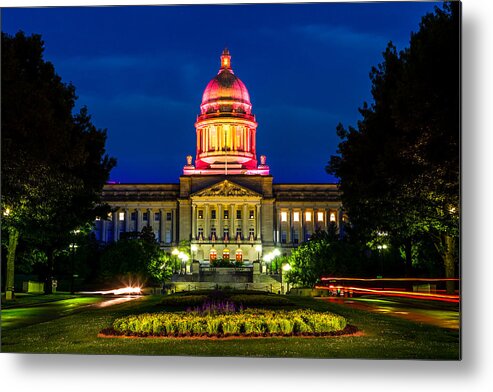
225,204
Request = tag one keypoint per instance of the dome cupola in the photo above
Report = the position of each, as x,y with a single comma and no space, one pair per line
226,128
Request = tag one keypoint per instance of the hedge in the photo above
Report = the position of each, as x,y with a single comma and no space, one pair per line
251,322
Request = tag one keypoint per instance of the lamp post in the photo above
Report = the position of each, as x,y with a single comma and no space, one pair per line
175,253
73,245
193,249
285,268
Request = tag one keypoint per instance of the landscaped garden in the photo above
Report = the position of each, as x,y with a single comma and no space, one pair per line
220,314
379,335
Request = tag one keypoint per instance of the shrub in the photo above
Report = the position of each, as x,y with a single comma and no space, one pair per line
250,322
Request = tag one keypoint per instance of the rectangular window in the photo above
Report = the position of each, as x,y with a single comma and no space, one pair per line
145,216
284,216
168,216
252,214
296,237
121,216
213,233
296,216
168,236
238,214
332,217
226,232
284,236
320,216
251,233
238,233
157,216
308,216
133,216
213,214
226,214
200,234
200,214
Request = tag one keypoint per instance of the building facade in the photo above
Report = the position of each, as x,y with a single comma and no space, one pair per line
226,204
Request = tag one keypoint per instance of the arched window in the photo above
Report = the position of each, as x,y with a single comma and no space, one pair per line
239,255
226,254
212,255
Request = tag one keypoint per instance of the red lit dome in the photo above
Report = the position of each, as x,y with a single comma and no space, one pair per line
226,92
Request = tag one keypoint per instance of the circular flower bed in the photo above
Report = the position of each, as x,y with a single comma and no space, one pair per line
250,322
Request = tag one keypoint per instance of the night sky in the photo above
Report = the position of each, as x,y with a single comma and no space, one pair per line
142,71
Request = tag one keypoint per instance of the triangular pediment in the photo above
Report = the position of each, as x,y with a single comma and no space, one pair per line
226,189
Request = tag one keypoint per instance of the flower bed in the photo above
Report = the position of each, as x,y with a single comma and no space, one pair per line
250,322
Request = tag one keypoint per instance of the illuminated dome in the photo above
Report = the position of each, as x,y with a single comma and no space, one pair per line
226,128
226,92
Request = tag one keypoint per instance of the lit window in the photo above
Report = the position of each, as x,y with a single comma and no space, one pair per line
296,216
121,216
226,214
320,216
201,214
252,214
332,217
308,216
284,216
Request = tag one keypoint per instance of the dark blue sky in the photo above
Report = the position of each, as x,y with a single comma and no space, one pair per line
142,71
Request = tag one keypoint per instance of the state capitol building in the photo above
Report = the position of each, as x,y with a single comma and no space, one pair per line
226,204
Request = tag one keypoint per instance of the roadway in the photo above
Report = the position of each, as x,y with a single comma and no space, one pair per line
443,315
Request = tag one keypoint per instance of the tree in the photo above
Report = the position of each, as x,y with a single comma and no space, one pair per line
54,163
325,254
399,170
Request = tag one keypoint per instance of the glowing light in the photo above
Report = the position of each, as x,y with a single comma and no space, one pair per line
175,252
393,293
332,217
258,248
284,216
122,291
286,267
6,212
276,252
296,216
121,216
194,248
308,216
320,216
392,279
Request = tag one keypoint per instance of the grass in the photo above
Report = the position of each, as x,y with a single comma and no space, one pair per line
384,337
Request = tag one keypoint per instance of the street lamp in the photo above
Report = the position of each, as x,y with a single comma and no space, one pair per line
73,245
194,249
285,268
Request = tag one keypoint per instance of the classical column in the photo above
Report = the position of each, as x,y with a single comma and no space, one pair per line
115,226
174,226
302,222
288,228
232,230
258,233
127,220
206,222
244,221
162,234
220,221
194,221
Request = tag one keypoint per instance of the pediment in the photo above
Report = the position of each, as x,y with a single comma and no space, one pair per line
226,189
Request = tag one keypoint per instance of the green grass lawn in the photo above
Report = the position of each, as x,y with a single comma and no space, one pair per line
383,337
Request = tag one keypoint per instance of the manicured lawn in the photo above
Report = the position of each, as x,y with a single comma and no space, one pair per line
383,337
